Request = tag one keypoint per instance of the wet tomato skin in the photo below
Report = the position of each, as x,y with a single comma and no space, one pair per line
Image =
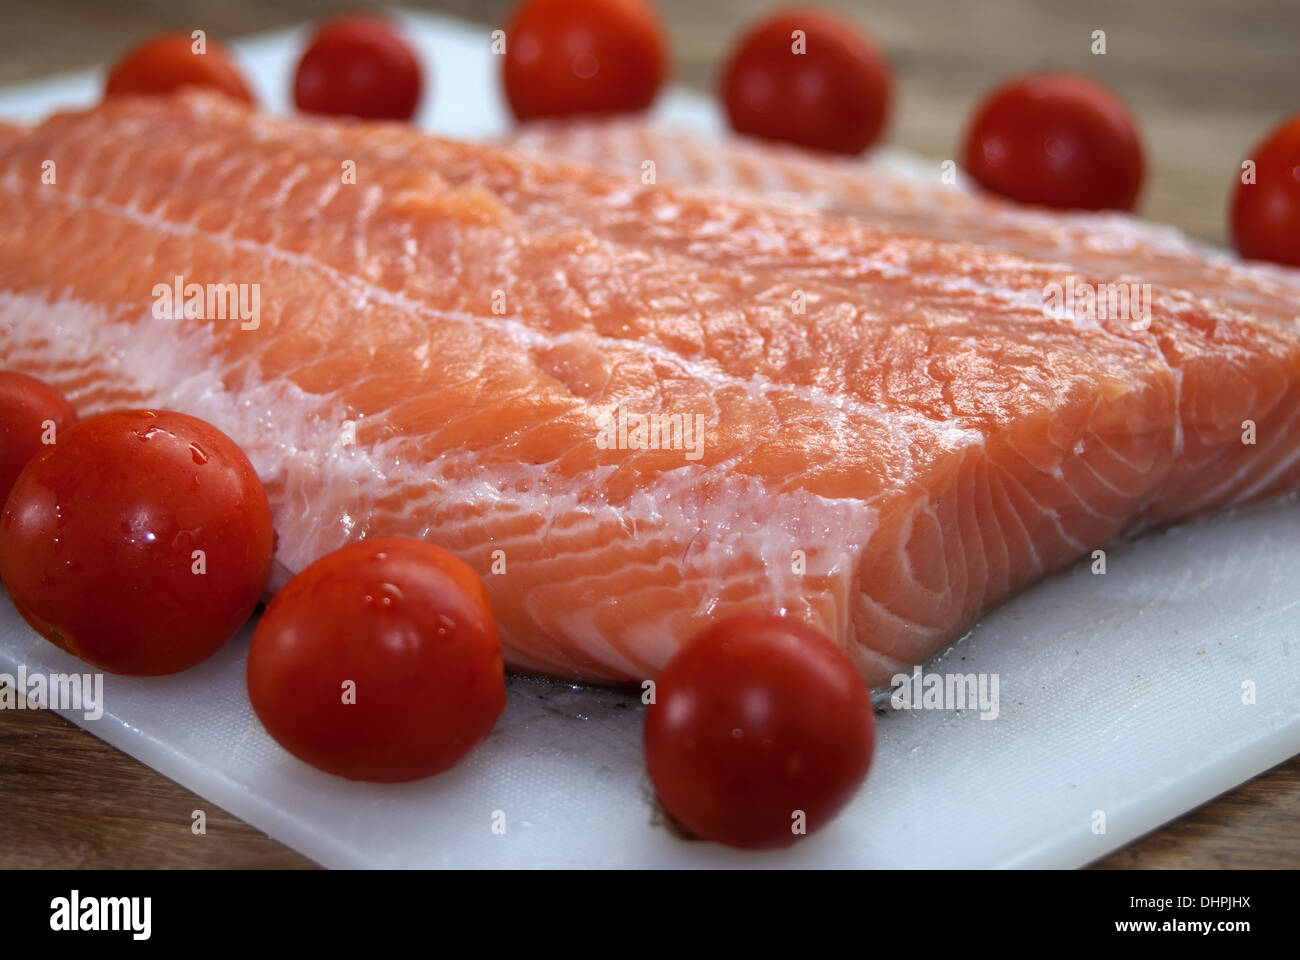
358,66
27,405
832,94
104,536
408,626
168,62
1265,215
582,56
754,719
1056,140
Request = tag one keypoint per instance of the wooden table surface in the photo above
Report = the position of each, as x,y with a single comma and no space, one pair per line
1205,78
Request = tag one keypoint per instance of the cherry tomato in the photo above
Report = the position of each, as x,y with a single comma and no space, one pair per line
1057,140
1266,213
168,62
582,56
808,78
358,66
379,662
139,543
33,415
755,720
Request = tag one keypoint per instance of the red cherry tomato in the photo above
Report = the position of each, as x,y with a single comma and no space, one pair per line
1266,213
139,543
33,415
359,67
168,62
582,56
379,662
1057,140
806,77
754,720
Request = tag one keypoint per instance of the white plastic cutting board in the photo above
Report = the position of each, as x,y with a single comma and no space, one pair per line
1120,693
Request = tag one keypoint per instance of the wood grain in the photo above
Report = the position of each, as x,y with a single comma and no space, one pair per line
1205,78
1256,825
70,800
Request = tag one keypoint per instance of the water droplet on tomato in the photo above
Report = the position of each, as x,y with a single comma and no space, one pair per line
384,595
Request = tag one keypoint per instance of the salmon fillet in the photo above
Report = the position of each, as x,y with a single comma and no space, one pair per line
464,343
905,196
